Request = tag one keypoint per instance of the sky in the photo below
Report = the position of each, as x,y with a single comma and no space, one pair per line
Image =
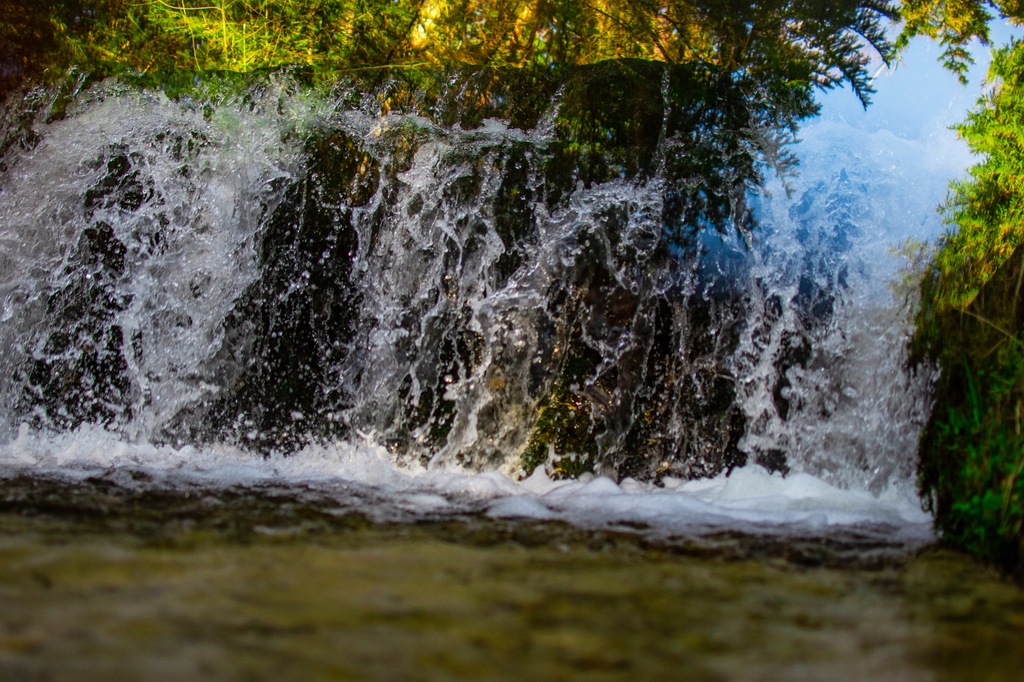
900,155
917,98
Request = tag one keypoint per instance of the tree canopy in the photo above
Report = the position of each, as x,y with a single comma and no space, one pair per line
988,207
954,24
788,44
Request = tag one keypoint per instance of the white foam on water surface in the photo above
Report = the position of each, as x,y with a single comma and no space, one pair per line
749,499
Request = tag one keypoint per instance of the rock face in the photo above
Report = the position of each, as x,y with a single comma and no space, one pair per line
495,268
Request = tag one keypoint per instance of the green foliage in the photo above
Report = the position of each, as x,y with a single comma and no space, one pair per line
972,450
786,45
954,23
971,319
989,206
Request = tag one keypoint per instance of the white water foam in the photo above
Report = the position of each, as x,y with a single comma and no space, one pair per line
749,499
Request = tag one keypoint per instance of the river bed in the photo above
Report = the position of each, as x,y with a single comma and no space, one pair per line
102,581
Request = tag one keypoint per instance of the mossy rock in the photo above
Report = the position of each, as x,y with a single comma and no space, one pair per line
664,405
563,439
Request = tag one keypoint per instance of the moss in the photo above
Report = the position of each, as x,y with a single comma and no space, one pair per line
566,427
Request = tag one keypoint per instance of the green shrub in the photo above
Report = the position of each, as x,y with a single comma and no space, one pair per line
971,323
972,450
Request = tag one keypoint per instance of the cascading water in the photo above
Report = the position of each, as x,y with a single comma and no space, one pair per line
479,279
827,383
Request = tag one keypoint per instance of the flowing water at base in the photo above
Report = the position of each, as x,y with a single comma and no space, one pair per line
101,581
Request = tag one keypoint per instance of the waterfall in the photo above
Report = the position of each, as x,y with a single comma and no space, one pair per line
575,274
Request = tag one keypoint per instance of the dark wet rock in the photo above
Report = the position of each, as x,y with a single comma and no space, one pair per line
78,372
291,328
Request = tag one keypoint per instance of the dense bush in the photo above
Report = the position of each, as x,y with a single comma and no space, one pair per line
972,324
972,452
